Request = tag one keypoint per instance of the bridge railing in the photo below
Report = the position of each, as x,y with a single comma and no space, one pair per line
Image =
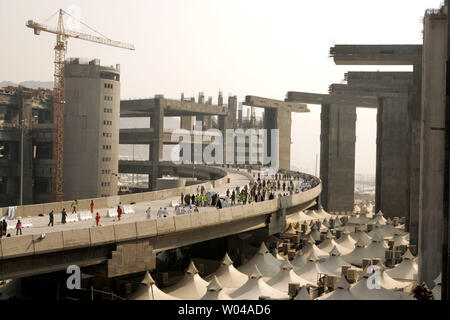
13,247
107,202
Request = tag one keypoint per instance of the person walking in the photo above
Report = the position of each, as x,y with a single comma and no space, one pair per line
50,217
5,227
148,212
92,206
119,212
63,216
97,219
165,213
18,227
74,206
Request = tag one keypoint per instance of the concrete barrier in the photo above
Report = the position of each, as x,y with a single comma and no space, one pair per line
84,215
73,217
53,241
125,231
183,222
165,225
128,209
225,214
76,238
17,246
146,229
102,235
112,213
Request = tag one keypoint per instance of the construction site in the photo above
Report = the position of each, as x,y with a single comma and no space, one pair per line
289,236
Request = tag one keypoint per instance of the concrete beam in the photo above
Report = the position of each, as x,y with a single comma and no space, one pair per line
370,92
172,108
315,98
379,79
376,54
275,104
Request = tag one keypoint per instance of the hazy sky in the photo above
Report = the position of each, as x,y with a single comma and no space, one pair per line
242,47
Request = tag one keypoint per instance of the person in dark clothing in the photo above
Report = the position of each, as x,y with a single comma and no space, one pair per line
219,204
193,199
50,217
63,216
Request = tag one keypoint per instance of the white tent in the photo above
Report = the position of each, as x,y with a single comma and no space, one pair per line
359,234
400,240
379,218
337,222
366,289
333,265
264,260
255,287
148,290
315,233
313,215
304,217
437,288
405,270
323,214
380,231
310,248
328,244
299,260
298,217
311,270
347,229
326,223
279,257
228,275
290,229
377,249
357,255
346,240
190,287
285,276
342,292
303,294
214,291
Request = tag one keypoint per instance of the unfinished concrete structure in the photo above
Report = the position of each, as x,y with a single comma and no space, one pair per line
25,114
91,139
432,152
337,145
277,115
392,162
396,55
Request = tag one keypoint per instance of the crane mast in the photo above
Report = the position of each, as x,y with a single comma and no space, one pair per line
58,91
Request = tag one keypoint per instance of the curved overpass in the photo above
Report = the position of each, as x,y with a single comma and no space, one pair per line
125,247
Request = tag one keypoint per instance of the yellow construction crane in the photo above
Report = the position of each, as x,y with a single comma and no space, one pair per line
62,35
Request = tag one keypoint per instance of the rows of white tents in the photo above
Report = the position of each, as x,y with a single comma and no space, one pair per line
269,276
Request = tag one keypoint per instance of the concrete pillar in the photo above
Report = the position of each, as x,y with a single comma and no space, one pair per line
432,147
187,122
156,145
392,157
337,157
25,113
232,106
279,119
220,99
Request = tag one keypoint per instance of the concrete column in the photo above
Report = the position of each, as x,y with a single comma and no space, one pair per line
279,119
232,106
432,147
392,157
187,122
337,157
25,113
156,146
414,116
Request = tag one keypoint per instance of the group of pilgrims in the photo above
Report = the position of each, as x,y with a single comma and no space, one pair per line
337,258
255,191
